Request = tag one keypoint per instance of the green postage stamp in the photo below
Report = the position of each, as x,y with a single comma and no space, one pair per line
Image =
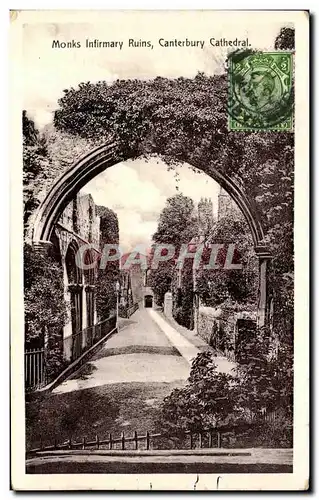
260,91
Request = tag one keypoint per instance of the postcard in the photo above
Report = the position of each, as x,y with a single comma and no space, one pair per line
159,250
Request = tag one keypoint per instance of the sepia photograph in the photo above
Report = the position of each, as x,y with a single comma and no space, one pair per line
159,247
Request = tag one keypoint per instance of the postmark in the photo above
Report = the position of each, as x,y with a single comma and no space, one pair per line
260,93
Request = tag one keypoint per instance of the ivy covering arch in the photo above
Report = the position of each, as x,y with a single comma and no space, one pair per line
184,120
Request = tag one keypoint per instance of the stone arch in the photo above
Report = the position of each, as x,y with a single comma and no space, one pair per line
107,155
90,261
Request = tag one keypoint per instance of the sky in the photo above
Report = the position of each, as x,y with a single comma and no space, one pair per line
137,190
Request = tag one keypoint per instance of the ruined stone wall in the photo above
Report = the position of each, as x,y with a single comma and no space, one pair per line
63,150
88,226
84,222
217,326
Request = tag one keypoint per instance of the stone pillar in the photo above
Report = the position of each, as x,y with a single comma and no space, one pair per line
262,316
86,302
168,304
67,329
196,312
90,304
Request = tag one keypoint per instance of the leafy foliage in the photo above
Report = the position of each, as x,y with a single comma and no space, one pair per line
205,402
176,226
142,115
241,286
160,280
43,292
176,223
44,306
183,311
217,400
35,166
107,277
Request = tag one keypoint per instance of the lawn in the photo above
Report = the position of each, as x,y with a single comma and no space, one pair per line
115,408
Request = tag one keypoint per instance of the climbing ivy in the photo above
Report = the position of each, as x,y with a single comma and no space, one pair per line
185,120
107,277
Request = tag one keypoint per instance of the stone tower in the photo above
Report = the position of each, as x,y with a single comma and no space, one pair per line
226,206
205,216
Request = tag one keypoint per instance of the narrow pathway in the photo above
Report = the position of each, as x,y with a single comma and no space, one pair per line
187,349
120,389
140,352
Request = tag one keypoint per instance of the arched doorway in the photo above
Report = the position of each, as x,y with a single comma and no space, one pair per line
148,301
109,155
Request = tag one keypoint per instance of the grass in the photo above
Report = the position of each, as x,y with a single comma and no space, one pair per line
115,408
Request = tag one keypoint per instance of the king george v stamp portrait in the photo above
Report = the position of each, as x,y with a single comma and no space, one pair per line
260,91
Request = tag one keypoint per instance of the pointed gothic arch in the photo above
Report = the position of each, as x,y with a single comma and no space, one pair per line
108,155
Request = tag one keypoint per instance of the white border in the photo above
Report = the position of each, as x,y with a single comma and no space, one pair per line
231,481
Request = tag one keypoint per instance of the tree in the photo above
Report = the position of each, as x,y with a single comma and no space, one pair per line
183,295
29,132
160,280
35,166
218,285
176,225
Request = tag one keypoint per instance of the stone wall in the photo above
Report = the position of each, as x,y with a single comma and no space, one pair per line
63,150
80,217
89,223
218,328
137,282
79,221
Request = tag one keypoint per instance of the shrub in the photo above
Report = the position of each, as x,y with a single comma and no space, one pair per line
205,403
44,305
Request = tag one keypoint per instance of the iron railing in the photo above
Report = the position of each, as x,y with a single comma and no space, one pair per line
147,441
78,343
126,312
73,346
209,438
34,369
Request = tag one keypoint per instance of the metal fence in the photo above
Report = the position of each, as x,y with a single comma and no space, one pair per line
34,369
214,438
147,441
76,345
